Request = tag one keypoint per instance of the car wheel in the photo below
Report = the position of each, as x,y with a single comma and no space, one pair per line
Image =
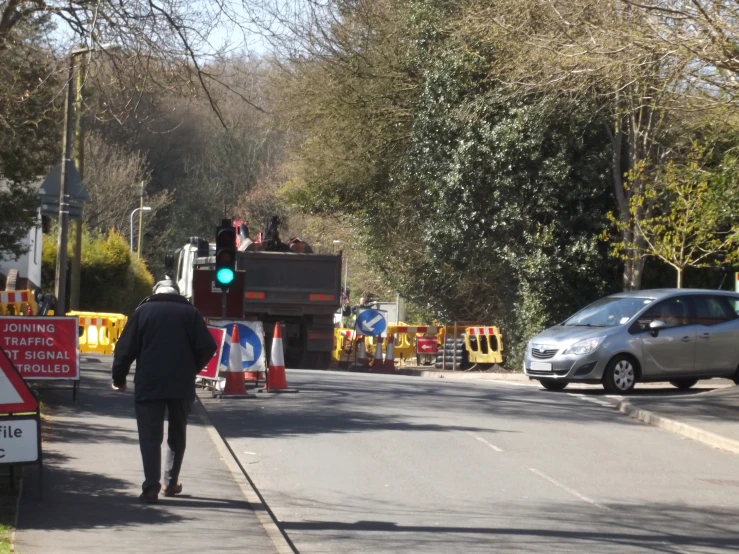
620,375
551,384
683,384
736,377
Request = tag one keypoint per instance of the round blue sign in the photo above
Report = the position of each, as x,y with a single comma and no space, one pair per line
251,346
371,323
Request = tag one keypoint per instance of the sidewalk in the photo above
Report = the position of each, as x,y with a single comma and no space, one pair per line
92,480
709,417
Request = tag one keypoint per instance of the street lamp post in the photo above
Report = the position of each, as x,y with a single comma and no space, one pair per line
142,209
60,281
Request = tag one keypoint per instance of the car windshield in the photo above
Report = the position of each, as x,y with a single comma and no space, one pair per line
608,312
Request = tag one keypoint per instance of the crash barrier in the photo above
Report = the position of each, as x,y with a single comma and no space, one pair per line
18,303
99,332
406,338
484,345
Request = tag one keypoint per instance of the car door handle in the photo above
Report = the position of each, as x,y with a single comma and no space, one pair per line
686,339
706,336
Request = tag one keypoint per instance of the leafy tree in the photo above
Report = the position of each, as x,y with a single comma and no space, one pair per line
474,200
29,131
18,214
694,216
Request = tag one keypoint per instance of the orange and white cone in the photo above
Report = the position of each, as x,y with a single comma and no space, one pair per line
362,360
235,384
377,360
276,378
390,355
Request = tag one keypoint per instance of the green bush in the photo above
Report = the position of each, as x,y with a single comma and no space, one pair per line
111,280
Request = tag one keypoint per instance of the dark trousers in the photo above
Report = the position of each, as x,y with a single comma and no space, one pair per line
150,421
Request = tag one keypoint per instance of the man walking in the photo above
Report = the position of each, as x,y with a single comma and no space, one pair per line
170,343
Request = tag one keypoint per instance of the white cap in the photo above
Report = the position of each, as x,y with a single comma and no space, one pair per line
166,287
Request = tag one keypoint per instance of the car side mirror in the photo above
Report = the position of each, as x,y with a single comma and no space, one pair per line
656,326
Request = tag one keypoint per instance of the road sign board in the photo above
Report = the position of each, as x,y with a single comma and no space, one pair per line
50,208
42,347
75,189
15,396
371,323
427,345
210,371
251,337
19,440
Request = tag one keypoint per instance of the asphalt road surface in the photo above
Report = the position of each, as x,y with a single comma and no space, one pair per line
371,463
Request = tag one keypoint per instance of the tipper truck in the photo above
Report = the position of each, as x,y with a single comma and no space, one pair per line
276,282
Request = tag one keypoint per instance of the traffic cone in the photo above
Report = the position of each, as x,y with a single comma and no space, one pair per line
235,385
361,360
377,360
390,355
276,379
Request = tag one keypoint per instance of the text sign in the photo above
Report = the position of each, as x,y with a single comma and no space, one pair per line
211,370
19,441
42,347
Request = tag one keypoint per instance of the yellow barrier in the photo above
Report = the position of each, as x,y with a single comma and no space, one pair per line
484,344
99,332
17,302
405,338
343,353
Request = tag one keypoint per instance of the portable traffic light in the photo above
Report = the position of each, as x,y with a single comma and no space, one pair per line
225,254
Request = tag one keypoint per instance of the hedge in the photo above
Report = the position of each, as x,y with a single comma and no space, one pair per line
112,280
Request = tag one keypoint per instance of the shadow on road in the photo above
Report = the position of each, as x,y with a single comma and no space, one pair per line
552,528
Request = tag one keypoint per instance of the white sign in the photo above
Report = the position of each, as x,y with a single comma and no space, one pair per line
18,441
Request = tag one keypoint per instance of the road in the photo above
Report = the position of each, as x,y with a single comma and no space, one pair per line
371,463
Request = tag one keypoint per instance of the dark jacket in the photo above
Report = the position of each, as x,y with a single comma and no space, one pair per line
170,343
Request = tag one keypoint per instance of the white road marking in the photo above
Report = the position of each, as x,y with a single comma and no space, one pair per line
496,448
573,492
252,453
594,400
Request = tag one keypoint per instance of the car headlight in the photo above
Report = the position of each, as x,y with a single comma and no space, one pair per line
583,347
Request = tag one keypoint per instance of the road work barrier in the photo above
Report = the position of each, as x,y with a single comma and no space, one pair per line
344,347
18,303
405,338
99,332
484,345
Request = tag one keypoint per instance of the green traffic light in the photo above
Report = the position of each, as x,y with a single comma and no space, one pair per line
225,276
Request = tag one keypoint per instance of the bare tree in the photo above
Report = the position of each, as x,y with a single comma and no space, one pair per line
705,32
113,177
146,45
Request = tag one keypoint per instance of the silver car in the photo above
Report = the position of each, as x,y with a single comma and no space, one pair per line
675,335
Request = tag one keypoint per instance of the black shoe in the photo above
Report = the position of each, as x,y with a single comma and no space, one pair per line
171,491
149,497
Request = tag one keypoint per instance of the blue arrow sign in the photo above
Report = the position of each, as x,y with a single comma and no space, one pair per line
251,345
371,323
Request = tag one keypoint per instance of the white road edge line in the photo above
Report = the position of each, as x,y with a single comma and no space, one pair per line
258,505
573,492
496,448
